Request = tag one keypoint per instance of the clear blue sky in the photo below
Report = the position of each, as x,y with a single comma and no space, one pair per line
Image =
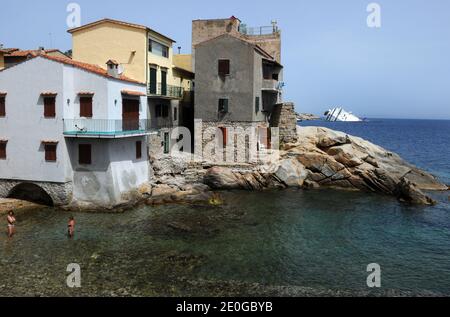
331,57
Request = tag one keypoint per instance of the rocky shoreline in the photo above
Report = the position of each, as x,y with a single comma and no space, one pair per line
321,158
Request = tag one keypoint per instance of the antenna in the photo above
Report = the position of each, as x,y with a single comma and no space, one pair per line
51,40
274,25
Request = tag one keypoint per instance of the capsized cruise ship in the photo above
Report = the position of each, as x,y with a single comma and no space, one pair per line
339,114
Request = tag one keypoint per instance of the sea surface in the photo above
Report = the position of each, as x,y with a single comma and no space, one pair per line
291,243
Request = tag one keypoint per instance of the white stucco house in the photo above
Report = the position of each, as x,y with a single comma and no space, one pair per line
71,132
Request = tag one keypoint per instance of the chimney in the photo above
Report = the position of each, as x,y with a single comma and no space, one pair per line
113,68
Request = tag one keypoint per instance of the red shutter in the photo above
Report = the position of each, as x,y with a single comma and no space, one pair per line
84,154
2,150
269,139
224,136
138,149
49,107
86,107
50,152
2,106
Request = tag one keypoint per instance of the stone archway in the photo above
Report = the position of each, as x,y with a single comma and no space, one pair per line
31,192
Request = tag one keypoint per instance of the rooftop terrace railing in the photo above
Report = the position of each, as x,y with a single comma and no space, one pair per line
259,30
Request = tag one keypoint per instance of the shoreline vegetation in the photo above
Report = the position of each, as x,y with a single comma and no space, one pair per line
321,158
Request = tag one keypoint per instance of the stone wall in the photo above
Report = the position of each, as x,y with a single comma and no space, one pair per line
284,117
61,193
242,145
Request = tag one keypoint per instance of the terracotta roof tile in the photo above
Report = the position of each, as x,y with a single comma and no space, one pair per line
89,67
133,93
22,53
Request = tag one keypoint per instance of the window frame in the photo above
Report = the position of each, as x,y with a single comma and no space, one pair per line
86,113
49,112
50,150
224,69
2,106
138,150
3,153
223,106
83,154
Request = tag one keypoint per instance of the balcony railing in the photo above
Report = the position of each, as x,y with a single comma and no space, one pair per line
259,30
272,85
106,127
166,91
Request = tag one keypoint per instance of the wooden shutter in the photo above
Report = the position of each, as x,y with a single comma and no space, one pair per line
224,136
138,149
257,104
50,152
49,107
2,150
86,107
269,139
224,67
2,106
84,154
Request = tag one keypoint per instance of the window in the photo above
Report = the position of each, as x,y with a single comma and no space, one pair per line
2,106
49,107
257,104
158,49
3,150
161,111
224,67
50,152
138,149
223,105
86,107
224,136
84,154
175,113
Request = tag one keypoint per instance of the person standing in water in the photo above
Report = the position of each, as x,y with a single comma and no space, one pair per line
71,227
11,223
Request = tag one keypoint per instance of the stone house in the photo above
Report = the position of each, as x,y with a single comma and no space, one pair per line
71,132
238,85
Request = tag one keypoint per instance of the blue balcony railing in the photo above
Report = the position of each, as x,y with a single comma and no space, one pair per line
106,127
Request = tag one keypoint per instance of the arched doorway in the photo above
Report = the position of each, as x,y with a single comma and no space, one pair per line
31,192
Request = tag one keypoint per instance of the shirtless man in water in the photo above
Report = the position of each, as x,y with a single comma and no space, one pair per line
11,223
71,227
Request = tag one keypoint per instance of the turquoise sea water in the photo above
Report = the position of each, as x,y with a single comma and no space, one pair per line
289,242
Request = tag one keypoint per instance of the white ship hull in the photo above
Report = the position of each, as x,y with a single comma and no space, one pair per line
339,114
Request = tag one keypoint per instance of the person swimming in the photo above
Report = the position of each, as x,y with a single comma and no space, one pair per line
11,223
71,227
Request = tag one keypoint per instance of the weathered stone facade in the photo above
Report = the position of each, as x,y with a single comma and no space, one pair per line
243,141
60,193
284,117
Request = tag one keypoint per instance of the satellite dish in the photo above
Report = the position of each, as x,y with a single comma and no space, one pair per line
120,69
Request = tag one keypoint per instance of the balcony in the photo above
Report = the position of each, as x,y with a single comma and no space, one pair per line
272,85
106,128
167,91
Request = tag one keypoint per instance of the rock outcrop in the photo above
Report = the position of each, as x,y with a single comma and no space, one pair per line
325,158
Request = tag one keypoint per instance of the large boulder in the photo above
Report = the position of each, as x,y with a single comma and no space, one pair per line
292,173
222,178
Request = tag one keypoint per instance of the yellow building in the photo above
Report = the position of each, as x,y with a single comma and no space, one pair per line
144,55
